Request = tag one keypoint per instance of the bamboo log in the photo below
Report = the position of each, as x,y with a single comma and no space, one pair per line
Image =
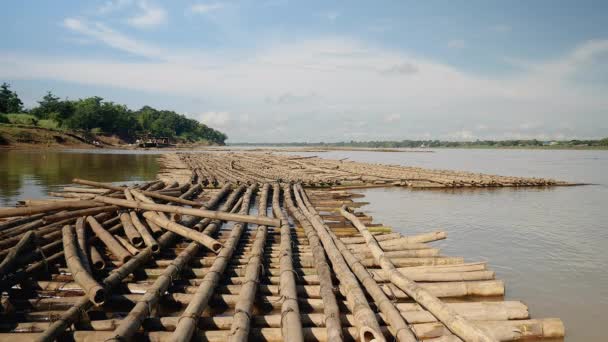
97,184
190,211
172,199
84,190
143,231
23,211
92,289
331,309
77,213
239,330
83,304
130,231
452,320
187,323
108,240
291,326
126,244
368,326
129,325
183,231
11,261
81,239
96,258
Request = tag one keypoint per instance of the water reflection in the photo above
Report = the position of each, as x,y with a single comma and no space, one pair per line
34,173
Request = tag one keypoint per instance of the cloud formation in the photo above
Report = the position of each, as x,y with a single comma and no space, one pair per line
337,87
150,16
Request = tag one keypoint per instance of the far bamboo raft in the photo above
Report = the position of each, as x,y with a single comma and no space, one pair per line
234,252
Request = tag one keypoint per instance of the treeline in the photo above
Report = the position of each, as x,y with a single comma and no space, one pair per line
95,115
441,143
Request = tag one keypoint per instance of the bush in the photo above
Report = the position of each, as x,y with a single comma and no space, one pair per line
4,119
22,119
48,123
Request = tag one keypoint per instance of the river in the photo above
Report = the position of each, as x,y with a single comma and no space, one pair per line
548,244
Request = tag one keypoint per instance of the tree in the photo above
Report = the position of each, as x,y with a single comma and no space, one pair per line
9,100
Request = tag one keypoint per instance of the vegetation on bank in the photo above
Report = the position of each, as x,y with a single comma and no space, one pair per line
599,143
94,115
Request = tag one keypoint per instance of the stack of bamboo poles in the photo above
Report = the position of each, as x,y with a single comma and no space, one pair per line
213,169
264,261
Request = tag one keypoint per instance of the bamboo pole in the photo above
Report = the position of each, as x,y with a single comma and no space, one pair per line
97,184
185,232
77,213
11,261
239,330
81,239
97,259
108,240
191,211
331,309
187,323
368,326
130,231
129,325
92,289
24,211
291,326
452,320
392,316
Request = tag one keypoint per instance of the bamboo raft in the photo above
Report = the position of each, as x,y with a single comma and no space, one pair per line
217,251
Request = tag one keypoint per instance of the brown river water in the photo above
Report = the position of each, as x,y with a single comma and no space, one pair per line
548,244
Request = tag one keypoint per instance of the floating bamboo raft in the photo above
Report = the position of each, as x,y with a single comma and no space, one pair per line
222,167
219,251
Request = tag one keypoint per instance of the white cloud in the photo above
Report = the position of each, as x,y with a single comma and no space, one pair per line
206,8
456,44
345,76
150,16
111,37
215,119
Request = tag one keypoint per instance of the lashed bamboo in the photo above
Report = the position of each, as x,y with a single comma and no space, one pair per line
45,208
291,326
83,247
185,327
239,330
191,211
129,325
11,261
108,240
392,316
452,320
73,314
331,309
130,231
368,326
93,290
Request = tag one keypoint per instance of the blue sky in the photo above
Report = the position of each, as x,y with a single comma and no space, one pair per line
280,70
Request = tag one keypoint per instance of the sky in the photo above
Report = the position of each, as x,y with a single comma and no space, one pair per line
310,71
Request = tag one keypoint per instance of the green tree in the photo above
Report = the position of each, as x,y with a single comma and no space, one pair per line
9,100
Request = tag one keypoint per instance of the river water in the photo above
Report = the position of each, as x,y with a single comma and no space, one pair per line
548,244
